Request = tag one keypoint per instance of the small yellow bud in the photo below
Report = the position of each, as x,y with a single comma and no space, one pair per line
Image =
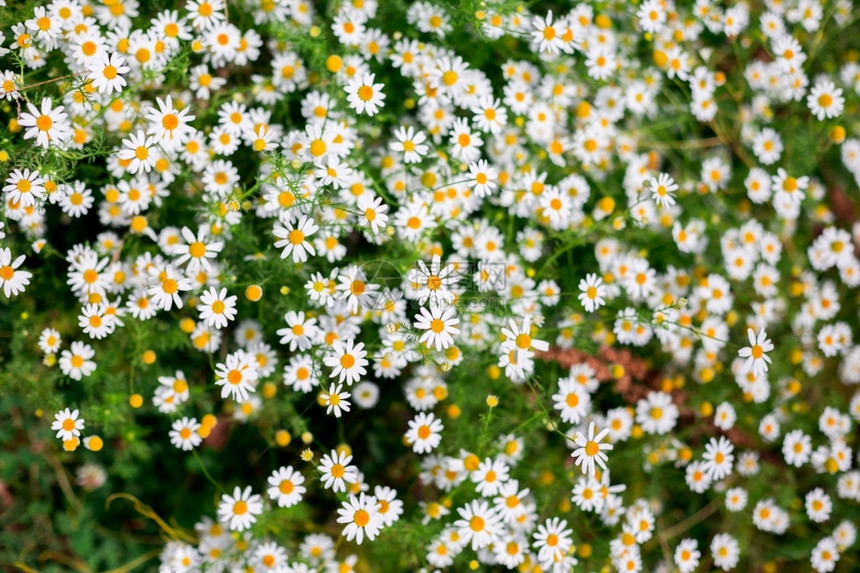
315,31
71,445
333,63
204,431
269,390
584,550
453,411
307,455
343,449
837,134
149,357
706,409
616,371
187,325
209,420
93,443
135,401
307,438
283,438
492,401
254,293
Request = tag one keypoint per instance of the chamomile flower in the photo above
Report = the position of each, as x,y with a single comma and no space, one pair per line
169,283
662,189
106,72
24,187
439,326
756,353
285,486
520,340
46,124
593,294
347,361
424,433
825,100
411,143
237,376
67,424
50,340
687,555
294,239
336,471
138,149
363,95
240,510
12,278
374,213
335,400
77,362
184,434
197,250
361,518
482,178
590,450
216,308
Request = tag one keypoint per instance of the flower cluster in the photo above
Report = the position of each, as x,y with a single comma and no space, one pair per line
630,224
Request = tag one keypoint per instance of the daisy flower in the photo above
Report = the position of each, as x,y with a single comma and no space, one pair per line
335,400
590,450
547,37
294,239
373,212
725,550
687,555
168,125
520,338
49,340
439,326
76,363
478,524
106,72
361,517
46,125
718,458
593,294
240,510
424,433
138,149
482,178
755,354
363,95
300,332
184,434
347,362
197,250
285,486
818,505
662,189
216,308
336,471
170,283
67,424
95,322
12,280
410,143
825,100
238,375
24,187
